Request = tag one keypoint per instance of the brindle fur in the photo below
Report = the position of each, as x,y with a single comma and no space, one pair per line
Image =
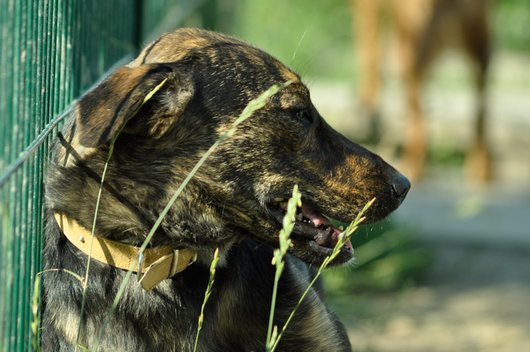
210,79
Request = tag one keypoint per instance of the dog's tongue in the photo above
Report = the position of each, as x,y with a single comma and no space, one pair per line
316,219
319,220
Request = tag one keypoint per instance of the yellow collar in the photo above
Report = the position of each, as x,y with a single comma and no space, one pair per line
158,263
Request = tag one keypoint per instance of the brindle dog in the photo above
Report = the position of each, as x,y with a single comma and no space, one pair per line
234,202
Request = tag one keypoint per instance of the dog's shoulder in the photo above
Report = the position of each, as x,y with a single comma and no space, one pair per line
247,281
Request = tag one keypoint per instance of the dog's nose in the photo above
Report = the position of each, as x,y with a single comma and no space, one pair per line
400,186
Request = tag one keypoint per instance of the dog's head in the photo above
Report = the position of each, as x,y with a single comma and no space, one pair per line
201,82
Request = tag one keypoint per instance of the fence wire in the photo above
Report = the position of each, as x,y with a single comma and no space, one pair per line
50,52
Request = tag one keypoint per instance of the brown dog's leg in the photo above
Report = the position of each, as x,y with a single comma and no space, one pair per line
477,41
367,33
478,163
408,35
416,143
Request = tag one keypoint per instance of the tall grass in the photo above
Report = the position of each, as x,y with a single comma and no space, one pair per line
96,210
35,305
343,237
278,259
207,294
249,110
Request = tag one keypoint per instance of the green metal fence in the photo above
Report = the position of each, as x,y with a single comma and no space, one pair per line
51,51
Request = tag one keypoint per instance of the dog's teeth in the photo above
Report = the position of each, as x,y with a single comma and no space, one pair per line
341,228
278,200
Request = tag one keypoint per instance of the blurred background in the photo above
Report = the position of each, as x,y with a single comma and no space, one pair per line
449,271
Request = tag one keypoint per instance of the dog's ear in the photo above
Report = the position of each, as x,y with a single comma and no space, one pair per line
146,99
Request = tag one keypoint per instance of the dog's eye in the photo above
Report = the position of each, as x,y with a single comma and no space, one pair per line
303,115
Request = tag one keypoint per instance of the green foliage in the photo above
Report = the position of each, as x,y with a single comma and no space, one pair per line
446,154
387,257
312,37
511,22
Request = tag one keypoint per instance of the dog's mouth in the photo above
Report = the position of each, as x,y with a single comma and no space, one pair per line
312,232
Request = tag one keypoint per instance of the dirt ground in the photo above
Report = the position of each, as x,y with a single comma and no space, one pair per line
476,299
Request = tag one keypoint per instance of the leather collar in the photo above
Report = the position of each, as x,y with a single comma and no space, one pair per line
154,264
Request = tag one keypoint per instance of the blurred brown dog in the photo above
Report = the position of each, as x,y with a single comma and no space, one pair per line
424,28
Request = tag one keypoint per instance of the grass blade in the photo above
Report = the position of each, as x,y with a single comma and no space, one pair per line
207,294
249,110
96,210
344,236
35,304
279,254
